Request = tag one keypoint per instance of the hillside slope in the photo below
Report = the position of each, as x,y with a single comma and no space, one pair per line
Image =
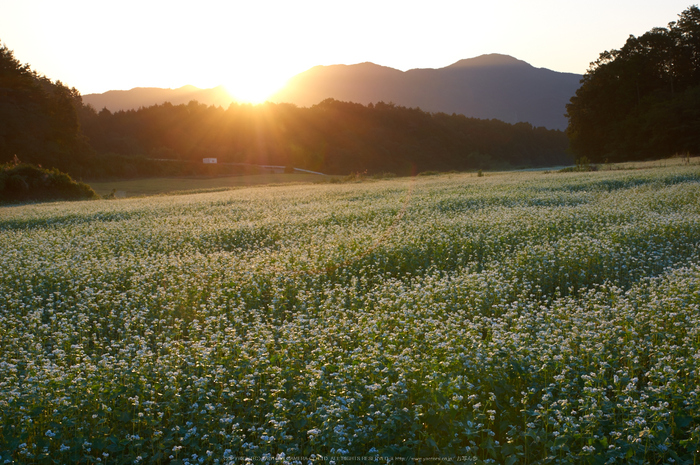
490,87
116,100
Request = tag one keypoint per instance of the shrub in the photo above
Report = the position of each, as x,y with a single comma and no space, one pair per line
383,175
582,164
23,182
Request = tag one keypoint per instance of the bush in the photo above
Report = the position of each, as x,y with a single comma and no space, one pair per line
582,164
384,175
22,182
16,184
428,173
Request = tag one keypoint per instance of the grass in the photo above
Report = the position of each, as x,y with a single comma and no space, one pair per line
680,160
181,185
184,185
518,317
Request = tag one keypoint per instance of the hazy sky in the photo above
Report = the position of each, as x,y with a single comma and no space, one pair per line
253,46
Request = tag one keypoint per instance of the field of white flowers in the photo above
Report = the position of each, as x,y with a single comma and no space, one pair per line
511,318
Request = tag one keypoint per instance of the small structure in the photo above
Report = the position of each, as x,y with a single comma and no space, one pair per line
209,161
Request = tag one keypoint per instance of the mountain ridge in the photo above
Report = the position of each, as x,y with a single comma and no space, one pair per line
490,86
132,99
491,59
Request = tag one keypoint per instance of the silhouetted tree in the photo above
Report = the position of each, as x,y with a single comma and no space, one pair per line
641,101
334,137
38,118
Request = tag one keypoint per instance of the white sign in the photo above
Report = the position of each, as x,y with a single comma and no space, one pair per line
209,160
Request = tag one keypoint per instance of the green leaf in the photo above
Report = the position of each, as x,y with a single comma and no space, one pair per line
682,421
507,449
432,443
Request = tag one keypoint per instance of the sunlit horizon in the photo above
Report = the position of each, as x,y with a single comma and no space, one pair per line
253,89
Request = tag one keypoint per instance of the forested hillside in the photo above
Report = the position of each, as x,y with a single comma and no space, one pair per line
39,118
642,101
116,100
332,137
488,86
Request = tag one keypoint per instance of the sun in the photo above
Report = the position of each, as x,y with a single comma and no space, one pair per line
253,88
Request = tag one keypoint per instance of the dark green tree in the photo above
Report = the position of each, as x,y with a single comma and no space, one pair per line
332,137
633,103
38,118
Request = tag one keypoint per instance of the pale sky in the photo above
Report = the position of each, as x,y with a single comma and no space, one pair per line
254,46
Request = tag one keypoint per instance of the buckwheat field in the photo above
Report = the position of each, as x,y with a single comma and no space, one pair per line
511,318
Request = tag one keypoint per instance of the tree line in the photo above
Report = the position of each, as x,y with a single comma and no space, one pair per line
39,118
332,137
642,101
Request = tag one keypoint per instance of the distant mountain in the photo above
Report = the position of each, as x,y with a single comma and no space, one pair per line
115,100
489,87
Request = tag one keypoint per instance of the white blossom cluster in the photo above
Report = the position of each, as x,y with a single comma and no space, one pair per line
512,318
